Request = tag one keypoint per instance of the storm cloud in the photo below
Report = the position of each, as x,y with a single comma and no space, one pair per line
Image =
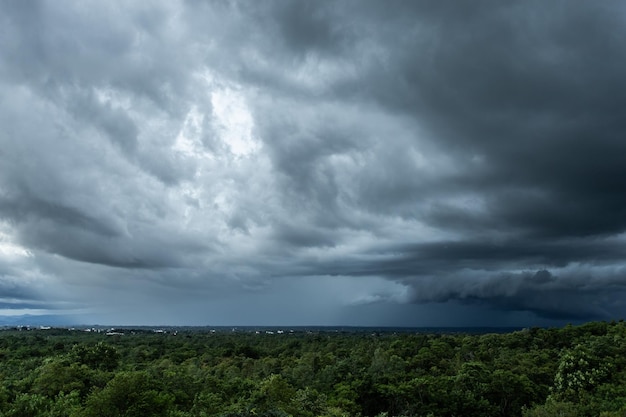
328,162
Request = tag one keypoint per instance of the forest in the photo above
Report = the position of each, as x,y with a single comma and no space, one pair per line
535,372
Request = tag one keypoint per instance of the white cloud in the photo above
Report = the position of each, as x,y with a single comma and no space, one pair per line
233,122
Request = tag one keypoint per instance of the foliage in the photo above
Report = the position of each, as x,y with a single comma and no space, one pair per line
579,371
573,371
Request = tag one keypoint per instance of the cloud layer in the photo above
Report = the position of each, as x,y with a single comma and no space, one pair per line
314,163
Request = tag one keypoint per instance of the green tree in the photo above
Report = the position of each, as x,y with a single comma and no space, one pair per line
100,356
129,394
579,371
554,409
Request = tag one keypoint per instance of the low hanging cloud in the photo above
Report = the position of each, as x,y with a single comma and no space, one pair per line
194,155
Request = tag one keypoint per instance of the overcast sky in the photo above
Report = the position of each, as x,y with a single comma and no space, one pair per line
405,163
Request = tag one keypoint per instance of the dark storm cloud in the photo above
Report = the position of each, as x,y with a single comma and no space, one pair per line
305,28
9,289
525,105
535,101
417,152
18,294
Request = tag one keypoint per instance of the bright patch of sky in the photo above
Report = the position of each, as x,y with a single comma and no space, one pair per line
9,249
234,122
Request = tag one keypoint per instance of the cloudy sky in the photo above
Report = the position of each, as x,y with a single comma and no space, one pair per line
348,162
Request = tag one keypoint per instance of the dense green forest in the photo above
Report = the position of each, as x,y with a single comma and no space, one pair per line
572,371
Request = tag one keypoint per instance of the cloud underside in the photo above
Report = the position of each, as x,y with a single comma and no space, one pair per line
466,152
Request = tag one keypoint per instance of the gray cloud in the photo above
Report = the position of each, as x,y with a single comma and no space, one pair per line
456,158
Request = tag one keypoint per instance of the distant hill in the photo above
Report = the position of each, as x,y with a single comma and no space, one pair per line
37,320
